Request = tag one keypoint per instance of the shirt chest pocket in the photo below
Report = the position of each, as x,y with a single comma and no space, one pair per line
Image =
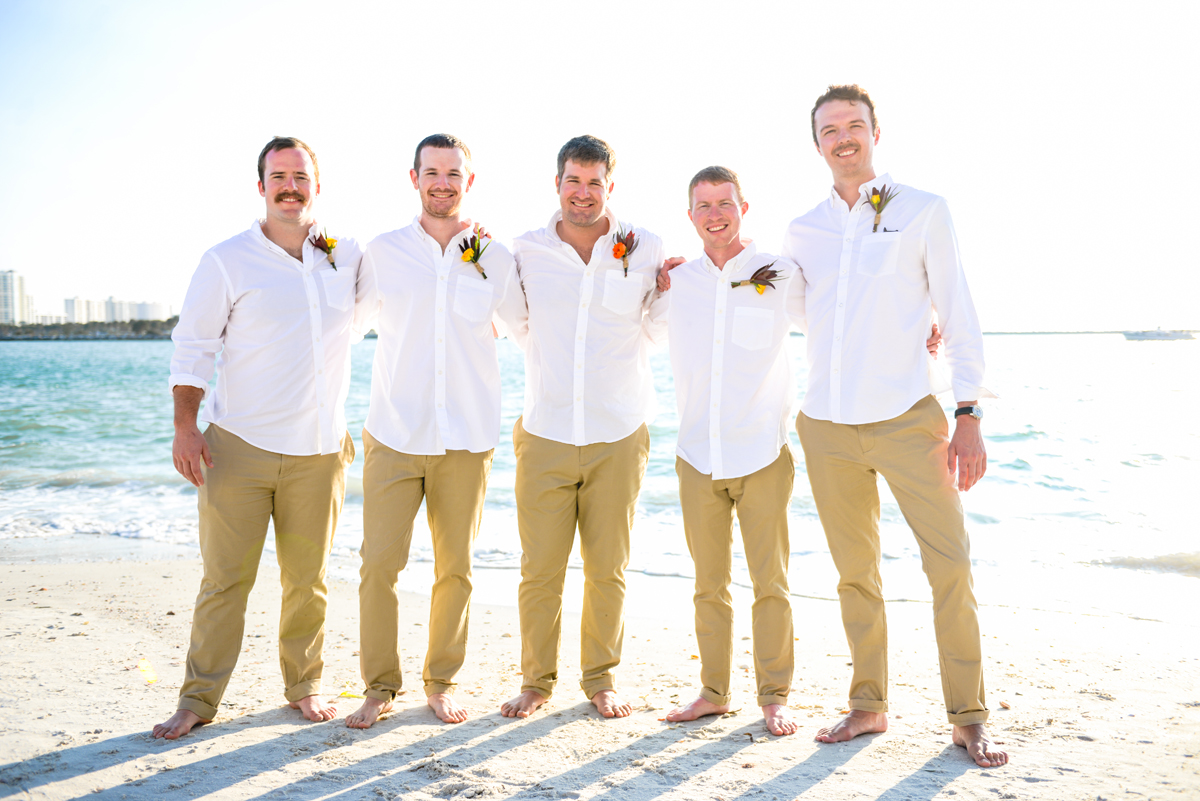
878,254
622,293
339,288
473,298
752,328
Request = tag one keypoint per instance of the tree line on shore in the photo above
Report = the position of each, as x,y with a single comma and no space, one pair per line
131,329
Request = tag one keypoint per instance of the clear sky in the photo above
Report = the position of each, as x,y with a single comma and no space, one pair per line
1059,132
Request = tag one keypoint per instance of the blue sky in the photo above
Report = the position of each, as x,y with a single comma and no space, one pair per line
1058,132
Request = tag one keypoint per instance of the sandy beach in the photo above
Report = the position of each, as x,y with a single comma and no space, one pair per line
1088,706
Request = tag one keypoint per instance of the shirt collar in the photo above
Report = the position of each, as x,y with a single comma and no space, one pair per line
425,237
736,263
552,228
863,190
256,232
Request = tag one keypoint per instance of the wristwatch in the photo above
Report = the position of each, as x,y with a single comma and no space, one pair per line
974,411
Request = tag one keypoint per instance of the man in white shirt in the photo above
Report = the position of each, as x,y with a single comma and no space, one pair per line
878,259
276,302
431,290
582,443
731,311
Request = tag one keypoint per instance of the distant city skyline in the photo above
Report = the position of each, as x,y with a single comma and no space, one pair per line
17,307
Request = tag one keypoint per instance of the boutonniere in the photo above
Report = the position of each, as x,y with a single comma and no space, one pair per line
624,243
473,248
763,277
325,244
879,199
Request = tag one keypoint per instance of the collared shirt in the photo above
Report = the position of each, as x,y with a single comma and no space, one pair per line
733,379
586,332
869,303
282,328
435,384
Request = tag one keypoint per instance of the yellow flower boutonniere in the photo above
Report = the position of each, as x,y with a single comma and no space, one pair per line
325,244
879,199
763,277
473,248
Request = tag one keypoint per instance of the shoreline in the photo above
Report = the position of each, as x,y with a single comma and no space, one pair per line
1097,706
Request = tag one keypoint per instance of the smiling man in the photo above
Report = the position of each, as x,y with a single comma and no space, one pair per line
431,291
879,259
730,313
582,443
276,303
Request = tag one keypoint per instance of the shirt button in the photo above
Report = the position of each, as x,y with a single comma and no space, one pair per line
583,305
580,338
439,308
318,339
718,342
320,372
443,278
589,272
439,339
322,406
840,305
439,372
578,397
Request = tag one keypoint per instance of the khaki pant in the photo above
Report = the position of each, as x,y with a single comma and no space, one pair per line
453,486
245,488
761,500
559,486
910,451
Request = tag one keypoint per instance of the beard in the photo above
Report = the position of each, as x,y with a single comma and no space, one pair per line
441,209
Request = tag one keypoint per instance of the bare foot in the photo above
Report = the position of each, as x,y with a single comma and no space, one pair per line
610,704
368,713
697,709
314,708
779,722
179,724
980,746
444,707
523,705
856,723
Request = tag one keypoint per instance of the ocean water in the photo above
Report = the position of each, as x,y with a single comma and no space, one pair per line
1087,506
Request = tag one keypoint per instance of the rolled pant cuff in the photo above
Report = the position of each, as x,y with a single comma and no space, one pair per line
545,692
767,700
199,708
714,697
303,690
434,687
967,718
387,696
867,705
590,688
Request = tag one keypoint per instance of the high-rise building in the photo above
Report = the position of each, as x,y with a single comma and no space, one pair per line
14,305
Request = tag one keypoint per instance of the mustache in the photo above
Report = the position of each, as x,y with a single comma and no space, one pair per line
843,149
282,196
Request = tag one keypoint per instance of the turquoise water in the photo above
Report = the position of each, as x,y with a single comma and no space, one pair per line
1086,505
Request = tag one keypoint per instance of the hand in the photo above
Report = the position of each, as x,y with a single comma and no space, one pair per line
664,280
187,450
966,448
481,232
935,339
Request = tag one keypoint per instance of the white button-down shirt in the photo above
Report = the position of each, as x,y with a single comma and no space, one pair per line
586,334
733,379
283,329
869,303
435,384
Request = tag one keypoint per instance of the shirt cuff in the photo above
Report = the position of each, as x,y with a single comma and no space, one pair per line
186,380
963,394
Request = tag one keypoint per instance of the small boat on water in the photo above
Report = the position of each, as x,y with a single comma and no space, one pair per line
1158,333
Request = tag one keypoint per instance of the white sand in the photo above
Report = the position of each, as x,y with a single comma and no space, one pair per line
1100,707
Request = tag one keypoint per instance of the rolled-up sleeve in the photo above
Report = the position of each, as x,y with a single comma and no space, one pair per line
512,314
200,333
961,333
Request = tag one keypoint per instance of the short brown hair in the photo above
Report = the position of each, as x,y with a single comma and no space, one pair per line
287,143
444,142
587,150
849,91
715,175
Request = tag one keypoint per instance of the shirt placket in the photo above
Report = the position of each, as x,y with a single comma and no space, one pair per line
442,268
316,323
587,286
720,334
839,313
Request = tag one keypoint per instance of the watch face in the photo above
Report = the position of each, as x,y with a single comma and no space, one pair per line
977,412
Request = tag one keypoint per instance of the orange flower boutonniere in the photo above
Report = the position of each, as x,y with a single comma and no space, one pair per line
763,277
324,243
879,199
473,248
624,243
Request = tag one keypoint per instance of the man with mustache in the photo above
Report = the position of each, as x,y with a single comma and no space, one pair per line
878,259
582,443
276,302
432,289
